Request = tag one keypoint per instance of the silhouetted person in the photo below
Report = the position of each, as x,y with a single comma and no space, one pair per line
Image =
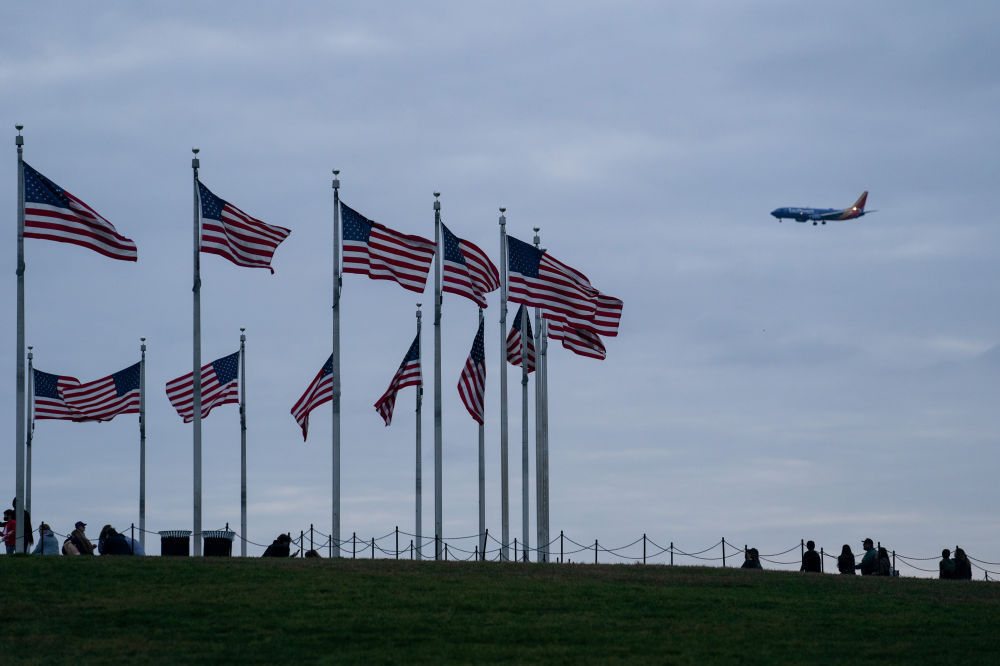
78,537
810,559
884,563
47,542
963,567
869,563
946,567
111,542
29,535
751,559
845,563
280,547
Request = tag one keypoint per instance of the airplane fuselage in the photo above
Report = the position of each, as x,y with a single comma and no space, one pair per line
822,215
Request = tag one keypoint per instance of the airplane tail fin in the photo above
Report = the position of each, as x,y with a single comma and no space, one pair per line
859,205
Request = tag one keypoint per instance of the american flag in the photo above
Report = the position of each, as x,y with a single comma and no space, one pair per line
540,280
381,253
466,270
408,374
229,232
50,402
472,383
320,391
577,340
103,399
219,386
514,341
52,213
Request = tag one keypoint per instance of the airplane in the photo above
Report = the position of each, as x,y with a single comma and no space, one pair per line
821,215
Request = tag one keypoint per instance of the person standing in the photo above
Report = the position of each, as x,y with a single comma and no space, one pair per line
946,567
963,567
29,535
9,533
78,537
810,559
845,563
869,563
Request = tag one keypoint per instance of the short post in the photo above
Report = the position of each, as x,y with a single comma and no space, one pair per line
302,543
595,551
643,547
894,561
373,548
411,549
446,552
562,556
354,545
477,552
802,548
397,542
515,549
822,564
312,546
486,538
671,553
330,546
133,540
723,552
437,547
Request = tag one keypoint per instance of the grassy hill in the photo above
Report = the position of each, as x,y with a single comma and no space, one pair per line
185,610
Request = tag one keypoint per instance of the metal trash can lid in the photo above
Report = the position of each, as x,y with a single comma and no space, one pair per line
175,533
219,534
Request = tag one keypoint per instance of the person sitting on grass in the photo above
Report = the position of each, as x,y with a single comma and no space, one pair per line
47,542
751,559
884,563
946,567
280,547
78,537
810,559
112,542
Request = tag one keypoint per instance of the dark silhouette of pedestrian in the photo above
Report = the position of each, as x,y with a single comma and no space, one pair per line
810,559
946,567
751,559
845,563
963,567
869,563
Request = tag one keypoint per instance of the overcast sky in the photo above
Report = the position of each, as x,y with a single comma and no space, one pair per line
771,382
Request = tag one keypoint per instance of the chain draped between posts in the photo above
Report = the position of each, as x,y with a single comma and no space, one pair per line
400,544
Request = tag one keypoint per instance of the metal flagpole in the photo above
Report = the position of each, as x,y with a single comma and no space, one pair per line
419,456
142,443
438,520
524,433
196,360
335,401
543,381
539,504
243,442
504,494
19,542
482,472
31,431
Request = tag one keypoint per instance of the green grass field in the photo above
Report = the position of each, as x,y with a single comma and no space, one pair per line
186,610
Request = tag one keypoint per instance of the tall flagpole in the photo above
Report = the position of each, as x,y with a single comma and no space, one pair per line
543,379
418,474
243,442
539,484
196,360
525,515
335,401
30,418
504,494
142,443
19,542
438,520
482,471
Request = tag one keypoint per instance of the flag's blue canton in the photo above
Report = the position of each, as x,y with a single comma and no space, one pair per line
413,354
523,258
356,226
39,189
211,205
478,353
126,380
327,367
46,385
451,250
226,368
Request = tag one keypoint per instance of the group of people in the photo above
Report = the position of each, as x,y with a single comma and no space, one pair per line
110,542
957,568
875,562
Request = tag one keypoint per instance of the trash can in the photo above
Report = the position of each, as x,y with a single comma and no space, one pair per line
175,543
218,543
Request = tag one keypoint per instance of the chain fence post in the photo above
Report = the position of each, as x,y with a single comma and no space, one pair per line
411,549
562,556
445,551
515,549
437,547
132,544
397,542
894,562
822,564
312,538
354,546
672,553
643,547
373,548
802,548
485,539
595,551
